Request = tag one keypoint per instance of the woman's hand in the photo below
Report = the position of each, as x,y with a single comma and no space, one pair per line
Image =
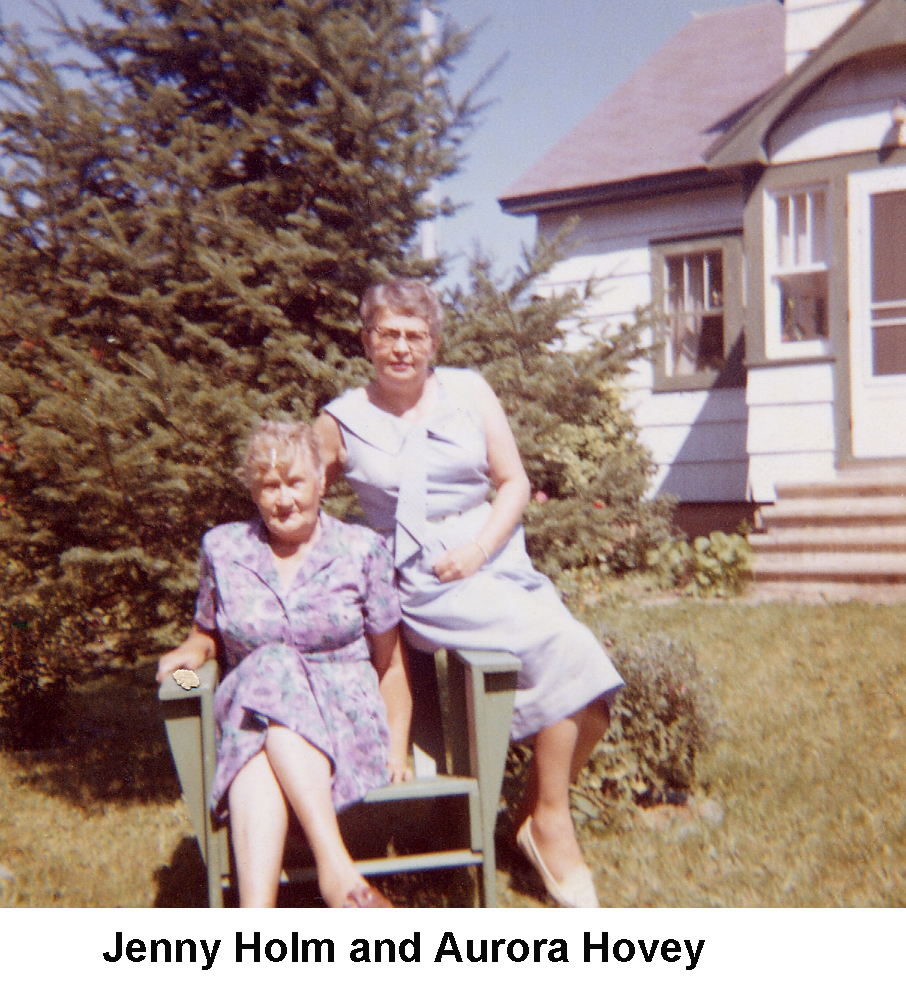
399,772
512,493
197,648
460,562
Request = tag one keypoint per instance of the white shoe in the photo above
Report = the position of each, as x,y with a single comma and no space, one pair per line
576,891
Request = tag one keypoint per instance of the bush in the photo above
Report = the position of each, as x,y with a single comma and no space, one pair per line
661,721
714,565
39,661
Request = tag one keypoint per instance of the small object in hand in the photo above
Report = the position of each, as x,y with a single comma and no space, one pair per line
186,678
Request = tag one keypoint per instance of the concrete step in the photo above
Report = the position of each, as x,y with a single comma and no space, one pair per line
808,591
834,538
844,510
868,481
839,539
853,567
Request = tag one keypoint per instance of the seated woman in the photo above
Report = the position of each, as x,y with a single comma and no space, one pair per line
314,707
435,465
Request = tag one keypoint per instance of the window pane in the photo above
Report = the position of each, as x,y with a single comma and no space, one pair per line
889,349
801,229
675,285
711,346
803,253
888,282
694,301
888,258
819,228
803,306
715,271
696,267
784,233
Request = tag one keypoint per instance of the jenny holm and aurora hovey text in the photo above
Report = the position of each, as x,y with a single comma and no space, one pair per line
251,948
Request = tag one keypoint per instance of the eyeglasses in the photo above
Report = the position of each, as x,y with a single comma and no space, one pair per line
389,337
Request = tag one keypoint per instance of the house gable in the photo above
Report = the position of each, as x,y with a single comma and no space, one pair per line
749,140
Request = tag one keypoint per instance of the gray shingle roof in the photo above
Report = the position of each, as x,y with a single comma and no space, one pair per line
662,120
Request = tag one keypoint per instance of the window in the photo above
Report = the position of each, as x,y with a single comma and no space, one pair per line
797,314
695,313
698,288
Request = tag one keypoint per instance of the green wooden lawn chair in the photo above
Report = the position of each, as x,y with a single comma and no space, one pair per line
459,754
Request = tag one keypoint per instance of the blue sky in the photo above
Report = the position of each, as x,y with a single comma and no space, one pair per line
562,58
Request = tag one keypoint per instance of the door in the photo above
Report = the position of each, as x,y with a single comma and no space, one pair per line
877,286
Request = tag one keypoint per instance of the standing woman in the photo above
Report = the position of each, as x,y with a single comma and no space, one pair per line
423,448
314,706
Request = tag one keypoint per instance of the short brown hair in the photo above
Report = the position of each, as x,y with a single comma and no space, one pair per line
405,298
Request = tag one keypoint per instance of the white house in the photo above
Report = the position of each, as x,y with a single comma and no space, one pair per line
749,181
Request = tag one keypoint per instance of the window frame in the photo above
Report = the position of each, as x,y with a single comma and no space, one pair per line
730,246
775,346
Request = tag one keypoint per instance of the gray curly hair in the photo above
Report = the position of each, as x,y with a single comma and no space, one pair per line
405,298
276,445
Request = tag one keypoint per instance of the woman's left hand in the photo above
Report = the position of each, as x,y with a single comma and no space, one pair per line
459,563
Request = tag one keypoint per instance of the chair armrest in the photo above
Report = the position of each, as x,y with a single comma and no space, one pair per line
208,676
489,662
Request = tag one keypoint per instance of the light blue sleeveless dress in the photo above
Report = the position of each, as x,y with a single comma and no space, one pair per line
424,487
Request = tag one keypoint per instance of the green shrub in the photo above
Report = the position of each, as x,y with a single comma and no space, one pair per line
661,721
715,565
39,661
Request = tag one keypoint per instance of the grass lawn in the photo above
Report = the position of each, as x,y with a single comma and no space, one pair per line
800,801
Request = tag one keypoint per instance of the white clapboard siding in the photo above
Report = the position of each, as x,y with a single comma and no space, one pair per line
606,228
697,440
791,426
789,384
703,482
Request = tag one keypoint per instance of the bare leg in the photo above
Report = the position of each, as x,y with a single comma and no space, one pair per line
258,822
560,752
595,721
552,825
304,774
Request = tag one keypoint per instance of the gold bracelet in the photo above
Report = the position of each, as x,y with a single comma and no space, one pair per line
487,557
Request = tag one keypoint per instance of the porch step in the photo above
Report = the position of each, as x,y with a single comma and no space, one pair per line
832,538
833,510
852,482
846,534
821,566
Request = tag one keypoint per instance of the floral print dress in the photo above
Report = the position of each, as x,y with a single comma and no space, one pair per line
298,656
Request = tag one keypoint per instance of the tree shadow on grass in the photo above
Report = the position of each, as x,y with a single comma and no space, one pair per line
103,742
182,882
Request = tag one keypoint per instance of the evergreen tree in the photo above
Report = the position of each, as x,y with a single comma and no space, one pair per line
185,228
184,236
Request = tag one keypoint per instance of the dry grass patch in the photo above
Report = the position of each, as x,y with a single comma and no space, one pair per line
94,817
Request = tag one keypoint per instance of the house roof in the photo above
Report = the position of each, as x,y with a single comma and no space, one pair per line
664,118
